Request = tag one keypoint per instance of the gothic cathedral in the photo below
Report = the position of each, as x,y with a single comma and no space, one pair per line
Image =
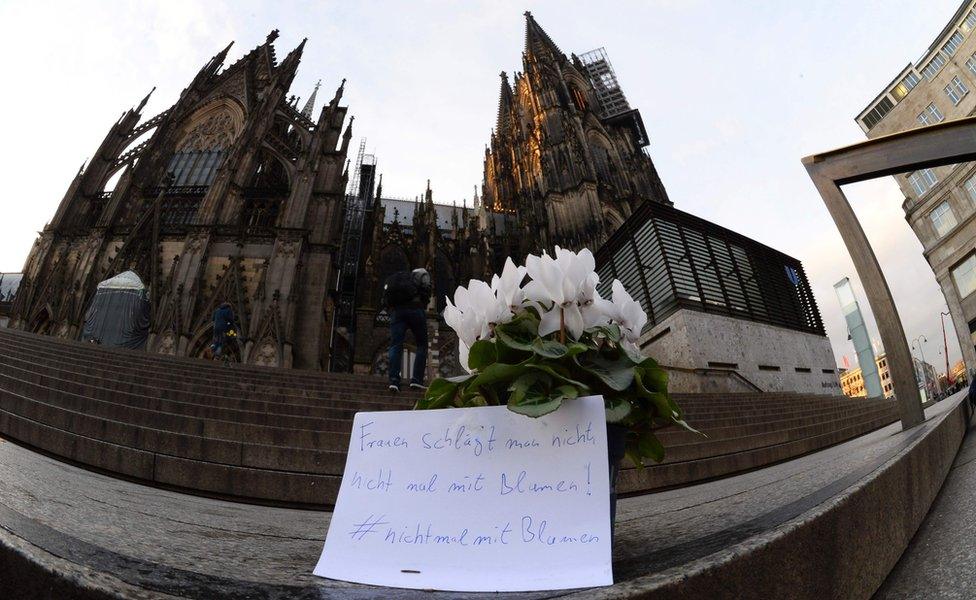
235,194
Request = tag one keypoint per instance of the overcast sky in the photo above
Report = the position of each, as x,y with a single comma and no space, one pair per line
733,93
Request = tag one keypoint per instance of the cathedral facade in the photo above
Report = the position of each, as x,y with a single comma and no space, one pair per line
232,194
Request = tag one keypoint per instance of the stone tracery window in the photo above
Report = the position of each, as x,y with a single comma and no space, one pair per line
202,149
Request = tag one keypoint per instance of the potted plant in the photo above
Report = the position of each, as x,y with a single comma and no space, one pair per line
533,346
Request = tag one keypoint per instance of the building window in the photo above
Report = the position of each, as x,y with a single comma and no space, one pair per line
964,275
969,22
922,181
878,112
930,115
956,90
905,85
578,99
935,65
971,188
952,44
943,219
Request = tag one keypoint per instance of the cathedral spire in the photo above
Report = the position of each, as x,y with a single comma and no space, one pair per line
290,65
347,135
310,105
506,105
144,100
222,55
338,92
537,41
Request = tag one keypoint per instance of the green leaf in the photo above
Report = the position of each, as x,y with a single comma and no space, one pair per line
482,354
545,406
617,409
567,392
611,332
560,375
648,445
633,353
533,396
549,348
659,399
575,348
498,372
440,394
618,375
529,385
519,333
459,378
655,378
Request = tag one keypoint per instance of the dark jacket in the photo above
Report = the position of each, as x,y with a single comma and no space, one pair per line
421,298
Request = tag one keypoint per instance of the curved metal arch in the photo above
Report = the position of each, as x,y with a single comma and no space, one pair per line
945,143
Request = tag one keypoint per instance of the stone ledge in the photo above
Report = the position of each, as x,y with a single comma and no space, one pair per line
821,526
843,545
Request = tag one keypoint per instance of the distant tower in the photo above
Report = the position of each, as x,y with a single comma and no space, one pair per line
566,158
859,336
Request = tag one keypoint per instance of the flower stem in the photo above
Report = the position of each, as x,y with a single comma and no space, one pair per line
562,326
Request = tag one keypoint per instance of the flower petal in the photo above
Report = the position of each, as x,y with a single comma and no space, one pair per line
573,320
463,351
550,321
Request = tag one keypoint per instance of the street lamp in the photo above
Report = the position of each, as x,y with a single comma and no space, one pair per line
925,380
945,343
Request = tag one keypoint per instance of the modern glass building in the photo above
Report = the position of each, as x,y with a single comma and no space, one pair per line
669,260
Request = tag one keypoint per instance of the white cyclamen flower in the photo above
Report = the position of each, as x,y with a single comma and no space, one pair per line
508,287
627,313
556,287
594,309
475,310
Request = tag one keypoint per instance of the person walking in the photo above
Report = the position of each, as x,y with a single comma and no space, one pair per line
223,324
972,390
406,295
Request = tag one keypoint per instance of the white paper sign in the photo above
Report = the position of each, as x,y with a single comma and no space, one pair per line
474,499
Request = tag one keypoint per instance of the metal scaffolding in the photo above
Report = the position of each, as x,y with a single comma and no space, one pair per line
608,92
359,199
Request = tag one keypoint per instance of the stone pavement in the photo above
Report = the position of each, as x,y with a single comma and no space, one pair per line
146,542
941,560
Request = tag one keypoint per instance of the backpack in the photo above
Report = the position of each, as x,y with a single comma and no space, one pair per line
400,289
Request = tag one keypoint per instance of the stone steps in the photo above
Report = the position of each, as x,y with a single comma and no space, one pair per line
372,388
277,436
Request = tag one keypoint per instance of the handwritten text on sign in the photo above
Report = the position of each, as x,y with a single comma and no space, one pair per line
474,499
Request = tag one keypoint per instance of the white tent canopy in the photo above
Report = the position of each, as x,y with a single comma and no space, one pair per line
123,281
